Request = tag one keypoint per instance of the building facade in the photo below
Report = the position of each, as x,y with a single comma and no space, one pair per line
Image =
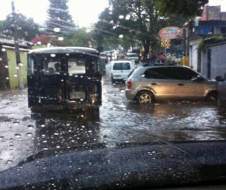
12,76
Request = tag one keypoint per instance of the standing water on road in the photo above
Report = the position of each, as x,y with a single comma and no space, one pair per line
24,134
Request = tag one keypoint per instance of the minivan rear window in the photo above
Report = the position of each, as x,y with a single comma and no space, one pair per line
121,66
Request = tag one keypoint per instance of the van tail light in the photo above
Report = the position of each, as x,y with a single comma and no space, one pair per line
129,84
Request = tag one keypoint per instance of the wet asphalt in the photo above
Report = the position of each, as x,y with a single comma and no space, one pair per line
23,133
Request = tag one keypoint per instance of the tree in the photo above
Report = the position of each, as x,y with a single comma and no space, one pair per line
59,18
185,8
79,38
26,27
1,25
136,20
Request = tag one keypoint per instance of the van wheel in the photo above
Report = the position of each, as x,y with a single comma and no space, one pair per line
112,80
93,113
145,97
212,97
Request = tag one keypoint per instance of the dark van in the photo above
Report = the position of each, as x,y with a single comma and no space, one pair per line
64,78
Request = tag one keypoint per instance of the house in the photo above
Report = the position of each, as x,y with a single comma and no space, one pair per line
209,60
11,74
210,30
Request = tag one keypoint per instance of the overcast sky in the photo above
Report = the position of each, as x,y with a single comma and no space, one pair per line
84,12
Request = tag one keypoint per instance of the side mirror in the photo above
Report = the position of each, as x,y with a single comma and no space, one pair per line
219,79
198,79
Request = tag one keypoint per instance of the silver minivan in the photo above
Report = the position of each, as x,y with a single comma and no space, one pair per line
150,83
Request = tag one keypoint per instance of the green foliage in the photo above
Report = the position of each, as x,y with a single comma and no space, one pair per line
211,40
59,17
185,8
137,20
79,38
25,27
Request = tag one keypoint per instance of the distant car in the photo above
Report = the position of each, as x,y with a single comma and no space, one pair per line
150,83
132,57
120,70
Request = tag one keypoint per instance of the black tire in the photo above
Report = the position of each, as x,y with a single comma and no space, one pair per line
212,97
112,80
93,113
145,97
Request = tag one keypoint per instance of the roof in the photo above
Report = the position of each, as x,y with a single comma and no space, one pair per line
220,43
10,42
121,61
62,50
162,66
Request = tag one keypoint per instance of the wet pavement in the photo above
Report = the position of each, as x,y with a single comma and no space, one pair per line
23,134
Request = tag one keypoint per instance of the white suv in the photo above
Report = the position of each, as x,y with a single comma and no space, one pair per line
120,70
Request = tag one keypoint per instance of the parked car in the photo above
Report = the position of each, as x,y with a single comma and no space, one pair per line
132,57
120,70
64,78
151,83
222,93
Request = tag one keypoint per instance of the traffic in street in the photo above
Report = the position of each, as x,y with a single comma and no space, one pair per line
24,133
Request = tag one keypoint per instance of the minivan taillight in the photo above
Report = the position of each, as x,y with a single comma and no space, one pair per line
129,84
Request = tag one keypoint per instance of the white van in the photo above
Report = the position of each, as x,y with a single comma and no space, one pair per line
120,70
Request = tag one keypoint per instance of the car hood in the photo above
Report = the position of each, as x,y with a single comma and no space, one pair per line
147,165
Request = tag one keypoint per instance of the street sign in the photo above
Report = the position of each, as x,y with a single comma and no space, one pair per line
169,33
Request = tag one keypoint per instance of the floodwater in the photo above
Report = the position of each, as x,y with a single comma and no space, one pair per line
23,134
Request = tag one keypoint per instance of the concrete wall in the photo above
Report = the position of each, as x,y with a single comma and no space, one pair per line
218,62
204,68
13,78
193,54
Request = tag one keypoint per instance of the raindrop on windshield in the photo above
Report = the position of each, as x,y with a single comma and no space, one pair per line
121,36
9,162
60,38
29,134
53,55
127,17
121,17
17,135
57,30
30,126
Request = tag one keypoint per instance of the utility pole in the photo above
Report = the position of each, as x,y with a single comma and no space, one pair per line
17,49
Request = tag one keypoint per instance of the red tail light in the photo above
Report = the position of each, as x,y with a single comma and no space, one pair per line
129,84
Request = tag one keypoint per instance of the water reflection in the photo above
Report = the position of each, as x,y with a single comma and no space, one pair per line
60,131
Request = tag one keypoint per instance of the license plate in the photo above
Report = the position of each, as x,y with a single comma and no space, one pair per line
77,95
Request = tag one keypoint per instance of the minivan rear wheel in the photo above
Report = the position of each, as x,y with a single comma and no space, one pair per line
145,97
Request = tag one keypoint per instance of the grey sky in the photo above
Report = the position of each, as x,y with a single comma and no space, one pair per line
84,12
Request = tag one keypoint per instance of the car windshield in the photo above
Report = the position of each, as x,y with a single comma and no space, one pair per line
112,94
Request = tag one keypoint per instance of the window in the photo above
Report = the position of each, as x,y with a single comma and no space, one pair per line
155,73
52,67
173,73
183,73
121,66
76,66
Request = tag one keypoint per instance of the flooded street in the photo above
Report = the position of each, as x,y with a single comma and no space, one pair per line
23,134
